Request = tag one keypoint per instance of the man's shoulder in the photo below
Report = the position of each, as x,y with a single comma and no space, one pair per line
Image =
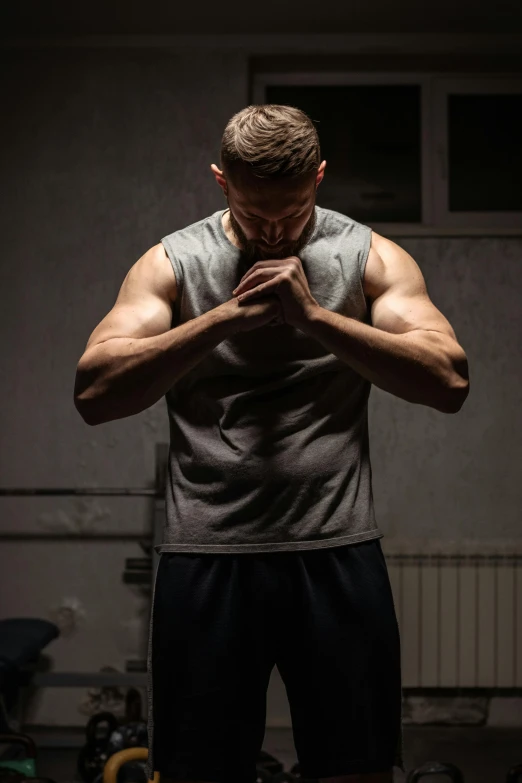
186,233
335,217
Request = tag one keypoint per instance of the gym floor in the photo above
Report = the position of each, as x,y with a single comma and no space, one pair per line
484,754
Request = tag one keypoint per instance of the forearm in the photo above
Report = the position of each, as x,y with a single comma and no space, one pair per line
415,366
124,376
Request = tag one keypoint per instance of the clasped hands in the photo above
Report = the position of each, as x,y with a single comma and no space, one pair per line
286,279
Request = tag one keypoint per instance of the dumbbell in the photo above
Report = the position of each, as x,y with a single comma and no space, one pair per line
436,768
515,774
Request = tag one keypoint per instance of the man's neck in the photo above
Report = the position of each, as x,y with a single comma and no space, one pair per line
225,220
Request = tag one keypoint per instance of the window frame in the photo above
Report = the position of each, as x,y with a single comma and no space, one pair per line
434,88
471,85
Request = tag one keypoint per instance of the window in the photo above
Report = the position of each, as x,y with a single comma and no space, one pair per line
413,153
479,143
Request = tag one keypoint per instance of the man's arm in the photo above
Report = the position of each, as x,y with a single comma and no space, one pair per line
411,349
133,357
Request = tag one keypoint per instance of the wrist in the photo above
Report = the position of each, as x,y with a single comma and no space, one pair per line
311,315
226,317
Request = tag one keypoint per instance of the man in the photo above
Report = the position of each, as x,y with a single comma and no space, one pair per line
284,314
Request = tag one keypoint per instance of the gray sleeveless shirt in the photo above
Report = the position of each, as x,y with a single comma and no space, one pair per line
269,432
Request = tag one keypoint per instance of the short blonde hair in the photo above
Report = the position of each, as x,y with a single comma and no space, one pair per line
275,142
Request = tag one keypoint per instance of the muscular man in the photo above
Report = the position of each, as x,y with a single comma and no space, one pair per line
264,326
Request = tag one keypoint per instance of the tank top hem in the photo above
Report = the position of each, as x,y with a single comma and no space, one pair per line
280,546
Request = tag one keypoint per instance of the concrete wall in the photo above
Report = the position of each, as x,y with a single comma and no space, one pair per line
104,151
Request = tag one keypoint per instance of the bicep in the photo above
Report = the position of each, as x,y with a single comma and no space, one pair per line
403,311
143,307
397,292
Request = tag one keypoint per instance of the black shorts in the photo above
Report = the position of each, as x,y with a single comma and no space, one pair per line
220,623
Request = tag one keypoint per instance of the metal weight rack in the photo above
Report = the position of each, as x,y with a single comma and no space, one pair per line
138,571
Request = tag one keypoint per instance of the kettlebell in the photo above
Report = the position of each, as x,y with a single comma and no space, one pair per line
14,760
93,755
131,733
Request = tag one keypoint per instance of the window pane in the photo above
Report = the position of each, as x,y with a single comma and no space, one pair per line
485,158
371,139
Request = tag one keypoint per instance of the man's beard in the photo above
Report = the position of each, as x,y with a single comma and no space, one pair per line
251,252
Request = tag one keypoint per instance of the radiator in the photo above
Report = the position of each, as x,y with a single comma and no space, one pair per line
460,618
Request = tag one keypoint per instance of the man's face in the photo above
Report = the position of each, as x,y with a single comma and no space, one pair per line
271,219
